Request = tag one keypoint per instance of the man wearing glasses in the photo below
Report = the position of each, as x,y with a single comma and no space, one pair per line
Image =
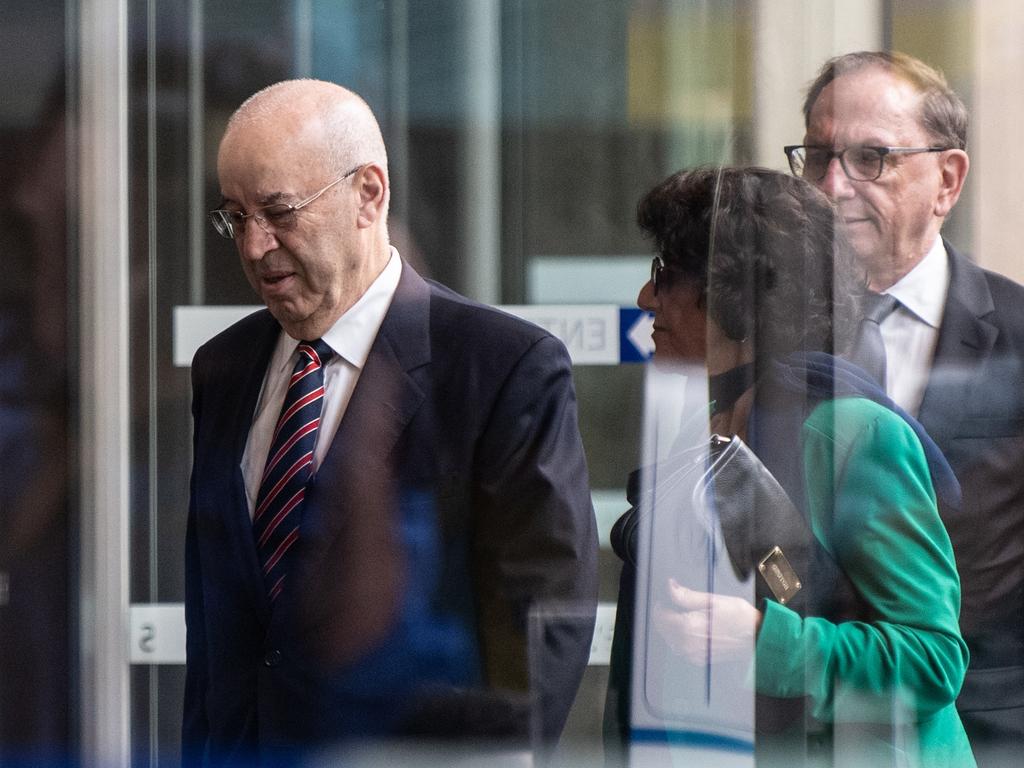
885,140
387,477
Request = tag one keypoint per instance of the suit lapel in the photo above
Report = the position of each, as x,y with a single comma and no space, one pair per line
358,470
965,341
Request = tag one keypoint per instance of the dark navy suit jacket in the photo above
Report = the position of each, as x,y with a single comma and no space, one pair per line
973,408
453,500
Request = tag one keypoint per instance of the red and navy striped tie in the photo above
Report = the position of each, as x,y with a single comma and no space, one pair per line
289,465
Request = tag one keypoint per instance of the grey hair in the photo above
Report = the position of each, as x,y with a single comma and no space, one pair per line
942,113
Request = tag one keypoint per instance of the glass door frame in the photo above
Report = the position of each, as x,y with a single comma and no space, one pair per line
102,214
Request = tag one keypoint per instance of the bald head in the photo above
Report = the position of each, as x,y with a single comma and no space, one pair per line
315,117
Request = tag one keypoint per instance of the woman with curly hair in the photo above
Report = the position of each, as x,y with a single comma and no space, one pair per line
859,659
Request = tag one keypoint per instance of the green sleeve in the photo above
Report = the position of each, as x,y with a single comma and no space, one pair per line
871,504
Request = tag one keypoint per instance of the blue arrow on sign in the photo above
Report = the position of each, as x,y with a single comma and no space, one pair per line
635,342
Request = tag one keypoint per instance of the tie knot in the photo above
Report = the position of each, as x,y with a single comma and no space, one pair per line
318,351
878,306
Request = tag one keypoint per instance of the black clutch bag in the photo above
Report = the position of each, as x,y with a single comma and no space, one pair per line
731,488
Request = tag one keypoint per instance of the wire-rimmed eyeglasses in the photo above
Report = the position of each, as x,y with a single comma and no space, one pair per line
278,217
859,163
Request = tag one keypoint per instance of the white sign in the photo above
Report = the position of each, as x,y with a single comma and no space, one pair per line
157,633
194,326
591,332
590,279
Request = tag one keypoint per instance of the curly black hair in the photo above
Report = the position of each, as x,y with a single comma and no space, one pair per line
764,249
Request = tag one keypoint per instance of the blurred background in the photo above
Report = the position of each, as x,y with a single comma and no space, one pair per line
521,134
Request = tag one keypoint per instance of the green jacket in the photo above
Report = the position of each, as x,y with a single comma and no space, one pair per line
871,505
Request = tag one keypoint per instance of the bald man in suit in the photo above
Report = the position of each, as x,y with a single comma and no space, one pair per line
442,499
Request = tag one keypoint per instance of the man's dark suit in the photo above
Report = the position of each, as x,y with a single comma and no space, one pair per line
974,409
453,498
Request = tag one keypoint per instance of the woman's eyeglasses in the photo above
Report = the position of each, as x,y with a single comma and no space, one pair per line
659,274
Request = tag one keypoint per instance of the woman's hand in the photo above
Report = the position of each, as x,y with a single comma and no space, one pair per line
696,623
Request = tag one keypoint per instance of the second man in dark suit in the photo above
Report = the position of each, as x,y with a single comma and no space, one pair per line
886,139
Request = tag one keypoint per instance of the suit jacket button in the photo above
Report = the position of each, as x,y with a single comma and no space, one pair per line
272,658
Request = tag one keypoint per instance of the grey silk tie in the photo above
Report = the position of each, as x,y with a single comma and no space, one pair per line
868,350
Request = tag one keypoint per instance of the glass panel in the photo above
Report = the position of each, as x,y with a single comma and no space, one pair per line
37,321
521,134
600,100
188,71
568,164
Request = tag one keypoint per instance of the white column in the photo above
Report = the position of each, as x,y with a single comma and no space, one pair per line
995,138
104,396
792,39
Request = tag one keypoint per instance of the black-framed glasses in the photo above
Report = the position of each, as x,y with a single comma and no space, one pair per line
858,163
660,274
278,217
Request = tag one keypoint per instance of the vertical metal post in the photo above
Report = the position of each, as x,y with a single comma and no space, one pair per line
197,157
303,15
104,385
481,172
398,108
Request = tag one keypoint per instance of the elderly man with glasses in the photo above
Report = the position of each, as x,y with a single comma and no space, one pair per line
886,140
388,484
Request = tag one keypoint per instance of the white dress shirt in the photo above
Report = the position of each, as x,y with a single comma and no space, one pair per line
351,338
911,332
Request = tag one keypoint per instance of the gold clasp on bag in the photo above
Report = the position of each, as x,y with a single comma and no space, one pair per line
781,578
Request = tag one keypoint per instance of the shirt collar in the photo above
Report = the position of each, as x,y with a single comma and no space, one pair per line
923,289
353,334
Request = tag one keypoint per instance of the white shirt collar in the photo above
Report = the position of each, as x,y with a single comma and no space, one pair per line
923,289
353,334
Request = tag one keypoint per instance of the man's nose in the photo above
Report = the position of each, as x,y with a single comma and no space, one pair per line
255,241
835,183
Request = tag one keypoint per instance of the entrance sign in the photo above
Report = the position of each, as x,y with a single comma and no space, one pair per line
594,334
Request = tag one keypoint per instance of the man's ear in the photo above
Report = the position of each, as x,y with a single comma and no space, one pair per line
372,185
953,169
